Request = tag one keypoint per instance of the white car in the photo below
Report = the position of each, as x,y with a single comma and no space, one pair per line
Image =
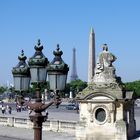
137,102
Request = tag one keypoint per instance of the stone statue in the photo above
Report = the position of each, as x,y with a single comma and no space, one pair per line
104,70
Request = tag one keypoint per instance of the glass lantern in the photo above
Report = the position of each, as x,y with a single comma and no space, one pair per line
21,74
37,64
57,72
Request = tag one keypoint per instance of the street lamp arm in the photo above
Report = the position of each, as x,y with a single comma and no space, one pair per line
39,106
21,101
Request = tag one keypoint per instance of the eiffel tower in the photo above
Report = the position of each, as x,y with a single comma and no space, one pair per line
74,75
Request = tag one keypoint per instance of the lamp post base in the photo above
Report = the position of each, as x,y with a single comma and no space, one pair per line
38,107
38,119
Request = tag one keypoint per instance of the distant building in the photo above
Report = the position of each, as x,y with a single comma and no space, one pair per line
74,75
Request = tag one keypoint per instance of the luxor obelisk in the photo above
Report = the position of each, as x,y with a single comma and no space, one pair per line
91,63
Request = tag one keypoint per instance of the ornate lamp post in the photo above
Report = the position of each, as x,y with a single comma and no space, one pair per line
38,67
57,72
21,75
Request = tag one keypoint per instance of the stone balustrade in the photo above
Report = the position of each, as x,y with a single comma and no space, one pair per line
49,125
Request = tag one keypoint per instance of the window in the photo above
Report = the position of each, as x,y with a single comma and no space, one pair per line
100,115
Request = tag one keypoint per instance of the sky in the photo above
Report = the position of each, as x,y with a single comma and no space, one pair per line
68,23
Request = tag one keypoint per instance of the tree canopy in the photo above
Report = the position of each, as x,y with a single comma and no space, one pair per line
2,89
135,86
76,86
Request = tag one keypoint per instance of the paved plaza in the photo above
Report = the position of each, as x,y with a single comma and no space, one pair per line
27,134
12,133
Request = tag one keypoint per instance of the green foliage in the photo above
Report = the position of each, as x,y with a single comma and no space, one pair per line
42,86
135,86
2,89
76,86
79,85
11,89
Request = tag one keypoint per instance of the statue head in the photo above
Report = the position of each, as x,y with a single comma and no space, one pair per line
105,47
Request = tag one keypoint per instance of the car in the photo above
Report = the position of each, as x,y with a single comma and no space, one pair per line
137,103
71,107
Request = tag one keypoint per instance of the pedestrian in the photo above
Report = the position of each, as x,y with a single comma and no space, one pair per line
7,109
3,109
19,108
77,107
10,109
29,110
47,114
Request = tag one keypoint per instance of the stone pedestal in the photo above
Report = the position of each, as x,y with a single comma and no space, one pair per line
106,109
104,117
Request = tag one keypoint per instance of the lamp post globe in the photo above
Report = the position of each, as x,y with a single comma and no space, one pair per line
37,64
57,71
21,74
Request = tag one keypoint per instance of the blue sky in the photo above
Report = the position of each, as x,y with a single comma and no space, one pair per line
68,22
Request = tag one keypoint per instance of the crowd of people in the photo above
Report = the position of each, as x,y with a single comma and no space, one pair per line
6,109
20,108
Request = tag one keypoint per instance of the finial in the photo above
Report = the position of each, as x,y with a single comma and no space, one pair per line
22,53
38,42
58,48
38,47
22,57
57,52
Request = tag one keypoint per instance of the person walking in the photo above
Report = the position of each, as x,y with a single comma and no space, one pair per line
10,110
7,109
46,114
3,109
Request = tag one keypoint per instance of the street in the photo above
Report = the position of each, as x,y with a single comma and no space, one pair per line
52,108
54,113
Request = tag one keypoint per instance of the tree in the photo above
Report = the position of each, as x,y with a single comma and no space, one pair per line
135,86
76,86
2,89
42,87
